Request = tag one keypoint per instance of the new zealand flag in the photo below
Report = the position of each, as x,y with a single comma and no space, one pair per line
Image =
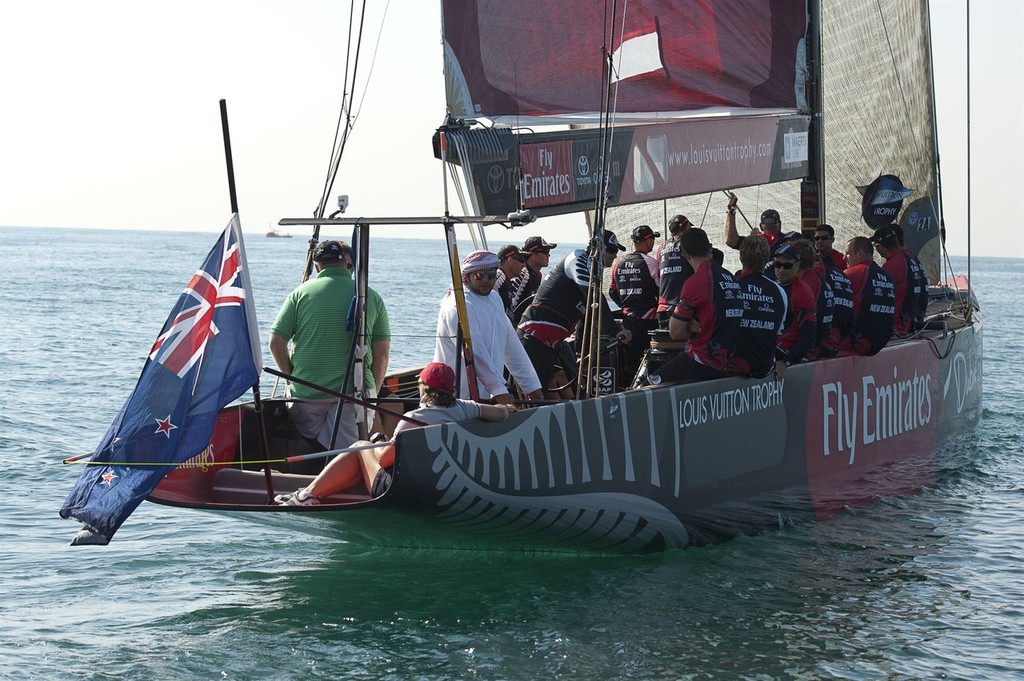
206,356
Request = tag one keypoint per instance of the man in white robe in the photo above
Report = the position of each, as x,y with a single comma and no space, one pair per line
493,339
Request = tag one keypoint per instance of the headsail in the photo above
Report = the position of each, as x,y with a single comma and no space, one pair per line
206,356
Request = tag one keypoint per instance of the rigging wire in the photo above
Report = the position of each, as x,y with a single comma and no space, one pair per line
345,121
589,351
352,98
918,143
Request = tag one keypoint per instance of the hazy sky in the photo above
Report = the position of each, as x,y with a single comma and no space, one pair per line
109,114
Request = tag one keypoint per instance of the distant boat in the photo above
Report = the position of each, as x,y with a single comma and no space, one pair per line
274,234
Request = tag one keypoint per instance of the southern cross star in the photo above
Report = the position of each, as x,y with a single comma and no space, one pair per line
165,426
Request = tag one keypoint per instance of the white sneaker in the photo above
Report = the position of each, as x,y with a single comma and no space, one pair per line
299,497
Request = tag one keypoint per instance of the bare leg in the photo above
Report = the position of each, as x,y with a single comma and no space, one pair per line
370,467
373,460
344,471
386,418
348,469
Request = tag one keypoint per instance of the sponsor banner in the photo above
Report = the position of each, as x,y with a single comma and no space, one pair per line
961,386
871,426
547,173
722,421
692,157
553,173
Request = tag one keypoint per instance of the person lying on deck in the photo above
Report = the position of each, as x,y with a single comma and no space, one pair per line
371,467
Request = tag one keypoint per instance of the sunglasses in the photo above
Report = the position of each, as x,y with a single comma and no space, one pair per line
823,237
783,265
485,274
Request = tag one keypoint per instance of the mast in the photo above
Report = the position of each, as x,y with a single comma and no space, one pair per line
937,207
967,103
261,429
812,189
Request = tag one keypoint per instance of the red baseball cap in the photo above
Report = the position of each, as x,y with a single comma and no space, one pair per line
439,376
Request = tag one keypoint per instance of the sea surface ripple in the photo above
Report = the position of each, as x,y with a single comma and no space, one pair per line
928,586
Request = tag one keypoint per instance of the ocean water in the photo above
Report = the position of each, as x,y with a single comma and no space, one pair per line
927,586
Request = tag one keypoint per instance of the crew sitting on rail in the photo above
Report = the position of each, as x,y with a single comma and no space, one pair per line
764,309
874,300
907,274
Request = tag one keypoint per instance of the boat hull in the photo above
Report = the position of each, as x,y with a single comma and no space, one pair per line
671,466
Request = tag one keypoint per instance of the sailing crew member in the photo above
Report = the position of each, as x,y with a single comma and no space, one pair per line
907,274
314,318
764,309
707,316
492,337
673,269
824,237
560,305
511,262
874,300
371,467
800,327
634,287
812,273
836,284
771,225
538,254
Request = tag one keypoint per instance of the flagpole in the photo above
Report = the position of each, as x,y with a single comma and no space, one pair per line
261,431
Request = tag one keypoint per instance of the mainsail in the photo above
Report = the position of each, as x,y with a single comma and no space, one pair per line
517,62
722,87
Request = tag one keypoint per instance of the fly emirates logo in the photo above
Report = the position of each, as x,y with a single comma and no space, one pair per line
871,412
549,182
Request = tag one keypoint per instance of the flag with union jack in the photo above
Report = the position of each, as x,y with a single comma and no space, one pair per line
206,356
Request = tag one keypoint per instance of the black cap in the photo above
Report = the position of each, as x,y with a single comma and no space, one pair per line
771,215
787,251
884,232
642,232
536,244
330,251
611,242
510,251
678,223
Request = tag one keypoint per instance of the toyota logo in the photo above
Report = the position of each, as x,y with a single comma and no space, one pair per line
495,179
583,166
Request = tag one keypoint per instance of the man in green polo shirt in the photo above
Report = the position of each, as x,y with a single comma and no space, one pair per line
314,318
